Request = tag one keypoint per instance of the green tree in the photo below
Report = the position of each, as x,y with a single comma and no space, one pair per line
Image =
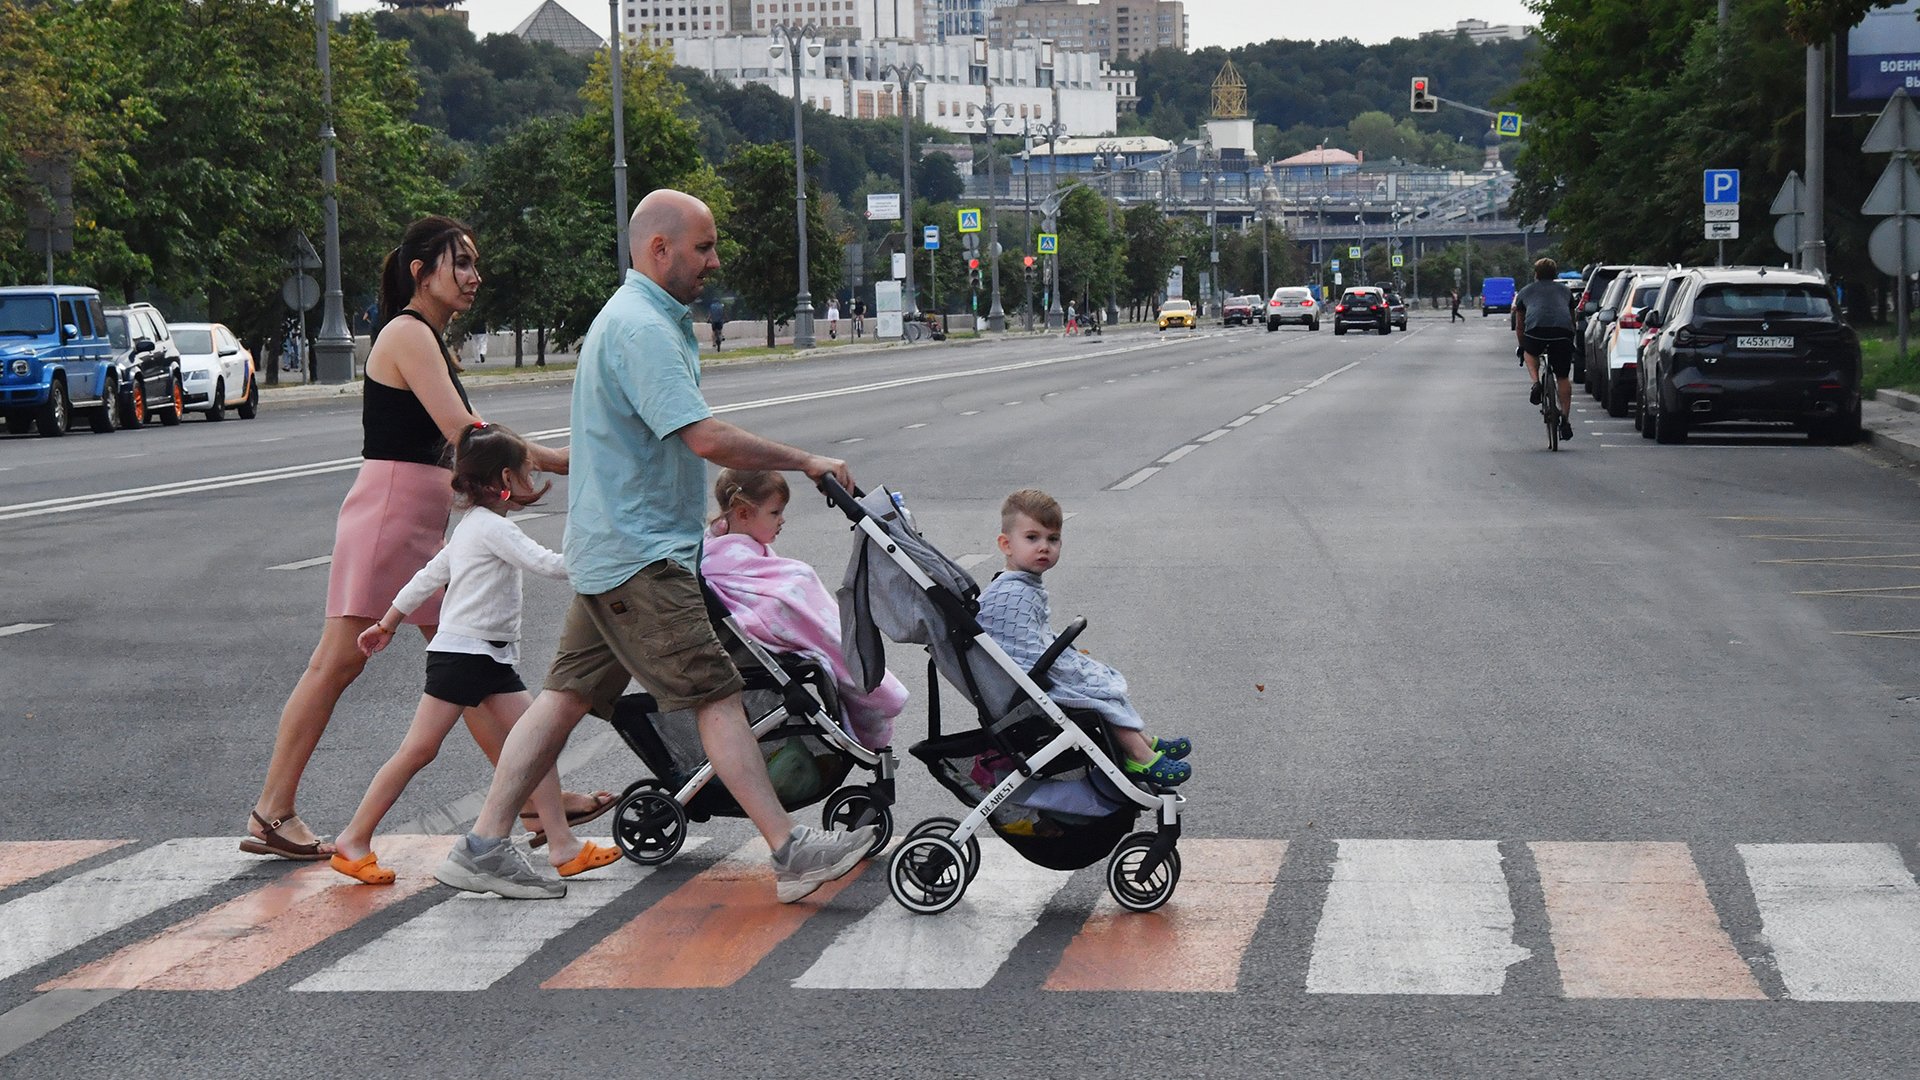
765,274
1148,254
1090,258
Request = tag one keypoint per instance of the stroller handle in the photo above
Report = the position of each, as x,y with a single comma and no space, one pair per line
839,497
1038,673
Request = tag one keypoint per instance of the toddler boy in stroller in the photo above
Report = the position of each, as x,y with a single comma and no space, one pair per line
1063,801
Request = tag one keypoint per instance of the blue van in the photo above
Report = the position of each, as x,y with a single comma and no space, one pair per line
55,359
1496,294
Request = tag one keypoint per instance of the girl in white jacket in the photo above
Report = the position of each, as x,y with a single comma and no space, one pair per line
470,660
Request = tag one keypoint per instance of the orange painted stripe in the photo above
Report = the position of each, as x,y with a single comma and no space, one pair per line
1195,942
250,935
709,932
24,860
1633,920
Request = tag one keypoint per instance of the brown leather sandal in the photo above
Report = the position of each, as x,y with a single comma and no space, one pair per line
270,842
603,801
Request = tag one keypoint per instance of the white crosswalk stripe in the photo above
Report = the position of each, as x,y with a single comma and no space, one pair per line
42,925
1415,917
891,948
470,942
1843,920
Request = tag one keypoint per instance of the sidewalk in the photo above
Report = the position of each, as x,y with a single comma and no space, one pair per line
1891,421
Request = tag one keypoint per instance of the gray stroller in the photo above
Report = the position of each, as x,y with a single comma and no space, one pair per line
1043,778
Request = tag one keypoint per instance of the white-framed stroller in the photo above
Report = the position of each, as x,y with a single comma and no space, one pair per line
1045,779
795,713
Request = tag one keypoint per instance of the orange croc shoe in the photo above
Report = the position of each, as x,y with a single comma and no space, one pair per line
367,869
592,857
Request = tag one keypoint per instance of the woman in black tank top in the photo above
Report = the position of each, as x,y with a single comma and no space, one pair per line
394,518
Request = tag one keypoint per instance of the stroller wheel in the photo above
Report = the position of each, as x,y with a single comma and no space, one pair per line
943,826
845,809
927,875
649,826
1123,879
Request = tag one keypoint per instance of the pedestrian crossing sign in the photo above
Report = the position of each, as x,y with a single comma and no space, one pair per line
970,220
1353,253
1399,260
1049,244
1508,124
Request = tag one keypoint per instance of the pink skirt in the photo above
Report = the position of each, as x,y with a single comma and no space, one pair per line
392,523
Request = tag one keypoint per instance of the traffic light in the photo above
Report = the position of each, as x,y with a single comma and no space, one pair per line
973,264
1029,262
1423,100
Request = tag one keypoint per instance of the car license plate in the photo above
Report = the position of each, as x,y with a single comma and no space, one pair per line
1754,341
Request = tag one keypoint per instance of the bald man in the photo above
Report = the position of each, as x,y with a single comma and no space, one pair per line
642,435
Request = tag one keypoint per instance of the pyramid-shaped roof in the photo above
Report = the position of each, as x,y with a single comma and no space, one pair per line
556,25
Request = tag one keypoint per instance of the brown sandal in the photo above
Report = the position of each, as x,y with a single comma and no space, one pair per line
270,842
603,801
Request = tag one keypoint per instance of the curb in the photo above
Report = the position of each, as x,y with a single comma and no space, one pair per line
1899,399
1906,449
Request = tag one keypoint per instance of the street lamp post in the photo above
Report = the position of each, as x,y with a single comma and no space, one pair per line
1320,239
789,39
333,349
902,75
1266,285
1106,157
1208,185
619,144
1056,315
1026,246
989,119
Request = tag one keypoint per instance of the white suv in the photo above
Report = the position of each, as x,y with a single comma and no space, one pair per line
1293,304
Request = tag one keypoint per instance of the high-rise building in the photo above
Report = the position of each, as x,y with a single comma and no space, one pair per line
1116,29
669,21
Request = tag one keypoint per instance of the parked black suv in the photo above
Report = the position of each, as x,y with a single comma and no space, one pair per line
149,365
1752,344
1364,306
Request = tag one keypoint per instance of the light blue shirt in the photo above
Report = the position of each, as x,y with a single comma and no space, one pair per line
636,493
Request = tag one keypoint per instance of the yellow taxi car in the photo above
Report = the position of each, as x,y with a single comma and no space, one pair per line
1177,313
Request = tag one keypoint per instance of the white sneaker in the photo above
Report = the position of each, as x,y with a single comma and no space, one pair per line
506,870
812,858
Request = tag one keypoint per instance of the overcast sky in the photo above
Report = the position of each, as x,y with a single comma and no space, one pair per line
1212,22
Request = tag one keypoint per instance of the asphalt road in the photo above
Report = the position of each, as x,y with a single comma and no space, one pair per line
1508,762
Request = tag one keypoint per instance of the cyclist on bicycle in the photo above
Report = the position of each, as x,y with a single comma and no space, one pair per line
1543,321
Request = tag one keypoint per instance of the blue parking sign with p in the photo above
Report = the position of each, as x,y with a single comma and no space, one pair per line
1720,186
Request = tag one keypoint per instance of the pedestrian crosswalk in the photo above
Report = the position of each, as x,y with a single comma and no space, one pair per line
1363,916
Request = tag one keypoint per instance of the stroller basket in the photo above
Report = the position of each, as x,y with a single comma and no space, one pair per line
1065,817
803,766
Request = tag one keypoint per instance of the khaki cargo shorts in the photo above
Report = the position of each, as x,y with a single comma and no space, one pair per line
653,628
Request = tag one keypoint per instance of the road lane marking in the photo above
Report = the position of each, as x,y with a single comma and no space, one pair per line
250,935
22,627
1196,942
71,503
1243,421
1415,917
318,560
1216,433
1878,592
1179,453
470,942
65,915
709,932
1843,920
910,427
891,948
24,860
1633,920
1136,479
971,412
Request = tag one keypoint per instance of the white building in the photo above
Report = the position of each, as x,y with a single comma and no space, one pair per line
673,21
845,79
1480,33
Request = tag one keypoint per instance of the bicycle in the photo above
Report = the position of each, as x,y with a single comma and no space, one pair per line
1549,387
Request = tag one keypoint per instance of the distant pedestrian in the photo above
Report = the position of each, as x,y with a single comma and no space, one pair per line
833,319
859,317
393,519
1454,298
717,316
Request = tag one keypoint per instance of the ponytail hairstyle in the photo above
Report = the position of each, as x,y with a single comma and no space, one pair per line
428,240
746,487
482,454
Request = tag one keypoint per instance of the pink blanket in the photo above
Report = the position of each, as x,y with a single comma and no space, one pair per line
782,604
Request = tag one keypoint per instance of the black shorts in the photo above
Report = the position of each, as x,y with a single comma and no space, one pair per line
467,679
1558,350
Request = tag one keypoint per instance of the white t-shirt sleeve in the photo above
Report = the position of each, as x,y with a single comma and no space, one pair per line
432,578
507,543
